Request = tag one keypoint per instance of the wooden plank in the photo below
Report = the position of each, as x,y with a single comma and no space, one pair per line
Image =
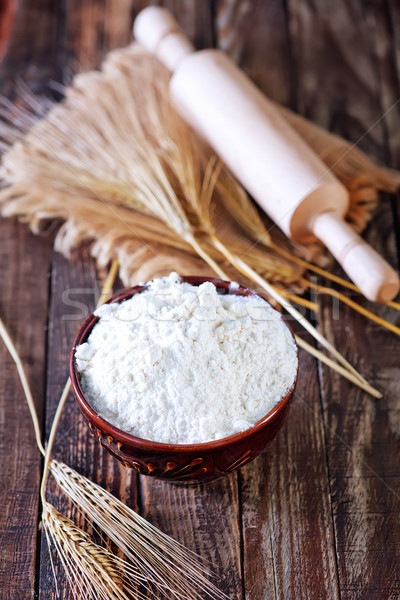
363,445
195,18
287,540
23,308
24,266
383,22
90,29
335,75
337,69
205,518
74,291
32,54
255,36
288,537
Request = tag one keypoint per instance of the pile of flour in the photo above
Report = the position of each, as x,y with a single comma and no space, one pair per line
183,364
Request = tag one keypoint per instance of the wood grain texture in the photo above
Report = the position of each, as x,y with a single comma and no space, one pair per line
286,513
74,293
90,29
24,265
24,270
361,434
33,51
363,445
383,22
205,518
335,75
254,34
195,18
317,515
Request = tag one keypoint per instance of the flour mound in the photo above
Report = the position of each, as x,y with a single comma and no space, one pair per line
184,364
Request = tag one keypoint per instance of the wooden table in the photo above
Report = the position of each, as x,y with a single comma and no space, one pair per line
318,515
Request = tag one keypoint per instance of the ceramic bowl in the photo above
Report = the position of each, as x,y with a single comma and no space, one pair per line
192,463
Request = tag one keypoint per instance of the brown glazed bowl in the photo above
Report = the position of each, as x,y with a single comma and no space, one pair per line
192,463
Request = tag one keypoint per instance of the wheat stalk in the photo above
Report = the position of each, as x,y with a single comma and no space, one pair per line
143,158
182,161
154,562
109,170
363,311
92,571
106,172
167,564
174,150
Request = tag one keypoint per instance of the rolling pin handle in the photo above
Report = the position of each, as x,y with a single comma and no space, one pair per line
157,30
369,271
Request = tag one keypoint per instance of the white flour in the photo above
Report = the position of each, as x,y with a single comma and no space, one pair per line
184,364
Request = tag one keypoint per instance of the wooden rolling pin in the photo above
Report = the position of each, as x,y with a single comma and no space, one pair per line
271,161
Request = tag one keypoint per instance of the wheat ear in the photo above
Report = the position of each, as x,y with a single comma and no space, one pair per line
93,572
150,162
169,565
155,561
196,201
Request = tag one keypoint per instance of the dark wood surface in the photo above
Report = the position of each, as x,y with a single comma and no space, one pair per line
317,516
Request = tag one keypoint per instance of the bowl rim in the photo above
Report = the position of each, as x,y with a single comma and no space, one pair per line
146,444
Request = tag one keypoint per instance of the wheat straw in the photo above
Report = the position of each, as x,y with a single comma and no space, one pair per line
343,372
150,162
156,562
135,162
367,313
160,558
93,572
249,272
24,382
